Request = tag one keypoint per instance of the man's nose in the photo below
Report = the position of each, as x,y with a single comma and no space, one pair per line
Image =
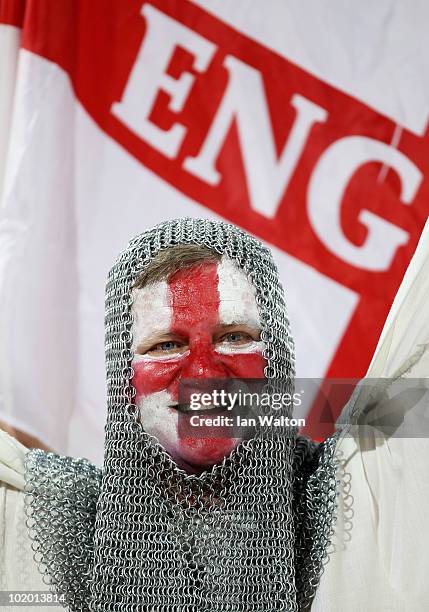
203,362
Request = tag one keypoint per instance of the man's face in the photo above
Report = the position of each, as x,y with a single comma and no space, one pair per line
202,323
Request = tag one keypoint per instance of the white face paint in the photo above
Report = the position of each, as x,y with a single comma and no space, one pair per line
151,312
237,305
237,295
159,419
162,355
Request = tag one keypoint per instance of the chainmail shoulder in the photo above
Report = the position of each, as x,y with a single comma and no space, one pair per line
316,490
61,496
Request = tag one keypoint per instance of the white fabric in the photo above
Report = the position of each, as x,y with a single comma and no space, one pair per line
407,326
379,562
18,570
12,455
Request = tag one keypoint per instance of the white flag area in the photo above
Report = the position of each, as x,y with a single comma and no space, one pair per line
305,124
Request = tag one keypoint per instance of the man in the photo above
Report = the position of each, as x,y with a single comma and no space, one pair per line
199,321
174,523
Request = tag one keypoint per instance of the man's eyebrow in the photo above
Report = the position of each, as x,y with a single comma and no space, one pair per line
241,322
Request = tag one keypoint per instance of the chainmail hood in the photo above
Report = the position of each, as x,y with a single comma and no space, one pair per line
143,535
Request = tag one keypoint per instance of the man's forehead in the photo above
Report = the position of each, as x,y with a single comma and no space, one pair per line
234,295
232,284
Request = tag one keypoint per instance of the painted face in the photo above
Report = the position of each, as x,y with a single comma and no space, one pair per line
202,323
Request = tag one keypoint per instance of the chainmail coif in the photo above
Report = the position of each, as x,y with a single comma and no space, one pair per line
248,535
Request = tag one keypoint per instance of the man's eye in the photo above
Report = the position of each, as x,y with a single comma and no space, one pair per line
236,338
165,347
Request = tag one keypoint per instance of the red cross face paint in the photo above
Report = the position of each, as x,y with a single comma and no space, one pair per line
202,323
